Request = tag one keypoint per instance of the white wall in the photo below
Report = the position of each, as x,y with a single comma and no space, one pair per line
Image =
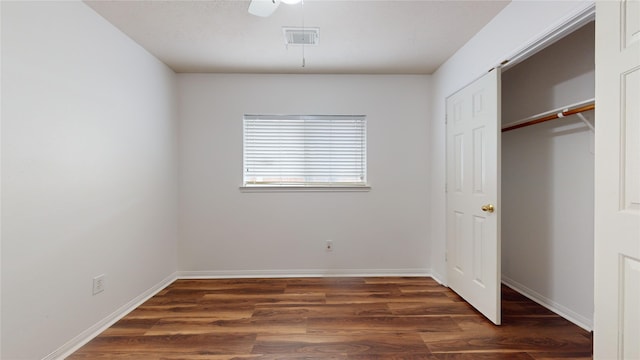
0,191
548,178
561,74
227,232
519,24
89,181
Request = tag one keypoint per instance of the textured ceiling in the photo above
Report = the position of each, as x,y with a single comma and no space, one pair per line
357,37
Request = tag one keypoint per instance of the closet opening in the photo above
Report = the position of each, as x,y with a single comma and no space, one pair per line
548,176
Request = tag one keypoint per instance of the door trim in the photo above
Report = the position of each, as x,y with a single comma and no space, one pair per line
548,37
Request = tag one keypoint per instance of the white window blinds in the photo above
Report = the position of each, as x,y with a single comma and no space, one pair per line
319,150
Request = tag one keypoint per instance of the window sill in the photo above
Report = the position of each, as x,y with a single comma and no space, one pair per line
275,188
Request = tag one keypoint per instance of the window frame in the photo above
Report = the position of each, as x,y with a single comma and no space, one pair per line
314,187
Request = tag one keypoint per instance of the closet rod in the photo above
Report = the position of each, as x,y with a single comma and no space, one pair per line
551,117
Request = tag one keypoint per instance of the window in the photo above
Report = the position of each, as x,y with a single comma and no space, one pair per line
305,151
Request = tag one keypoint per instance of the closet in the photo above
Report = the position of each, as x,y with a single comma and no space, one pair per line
548,176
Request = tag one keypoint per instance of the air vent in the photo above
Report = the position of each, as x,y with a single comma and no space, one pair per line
301,36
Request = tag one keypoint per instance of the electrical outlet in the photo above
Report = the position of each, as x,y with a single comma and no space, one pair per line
329,245
98,284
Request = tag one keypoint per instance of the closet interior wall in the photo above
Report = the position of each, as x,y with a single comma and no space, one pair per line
548,179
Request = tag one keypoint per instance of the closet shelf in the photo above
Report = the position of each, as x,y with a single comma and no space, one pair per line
554,114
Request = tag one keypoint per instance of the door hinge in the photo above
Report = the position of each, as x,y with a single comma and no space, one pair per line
446,187
446,257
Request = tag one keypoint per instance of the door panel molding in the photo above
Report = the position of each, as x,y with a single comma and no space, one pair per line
473,172
617,181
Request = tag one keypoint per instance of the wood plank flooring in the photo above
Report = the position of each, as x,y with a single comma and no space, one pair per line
332,319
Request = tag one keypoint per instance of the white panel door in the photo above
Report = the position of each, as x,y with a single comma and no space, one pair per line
617,181
473,197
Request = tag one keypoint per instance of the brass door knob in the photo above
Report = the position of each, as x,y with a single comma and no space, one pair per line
488,208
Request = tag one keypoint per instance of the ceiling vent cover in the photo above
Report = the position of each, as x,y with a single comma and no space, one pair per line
301,36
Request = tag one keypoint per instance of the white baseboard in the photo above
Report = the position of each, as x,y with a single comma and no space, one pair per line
84,337
561,310
230,274
437,277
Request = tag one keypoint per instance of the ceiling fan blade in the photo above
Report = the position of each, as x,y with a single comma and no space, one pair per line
263,8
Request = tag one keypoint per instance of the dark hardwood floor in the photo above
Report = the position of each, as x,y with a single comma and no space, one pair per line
332,318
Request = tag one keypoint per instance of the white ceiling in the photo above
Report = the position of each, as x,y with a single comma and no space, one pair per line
356,36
